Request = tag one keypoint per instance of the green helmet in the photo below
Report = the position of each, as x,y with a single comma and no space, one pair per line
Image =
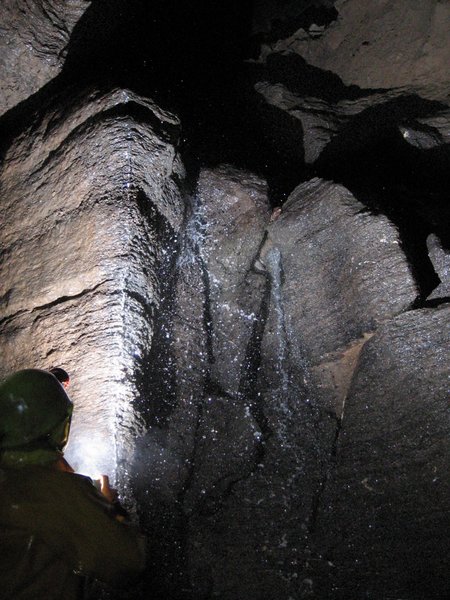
34,410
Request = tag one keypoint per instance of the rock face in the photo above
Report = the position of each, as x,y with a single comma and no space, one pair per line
33,45
343,93
344,274
388,501
243,493
381,45
268,386
85,225
210,438
441,262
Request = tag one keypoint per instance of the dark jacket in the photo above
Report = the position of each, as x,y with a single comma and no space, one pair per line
55,529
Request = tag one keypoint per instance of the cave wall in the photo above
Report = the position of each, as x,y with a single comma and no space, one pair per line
89,199
33,46
380,44
259,355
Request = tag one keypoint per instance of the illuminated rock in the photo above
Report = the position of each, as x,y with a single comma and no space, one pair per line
204,435
90,199
440,257
33,44
259,380
224,458
234,209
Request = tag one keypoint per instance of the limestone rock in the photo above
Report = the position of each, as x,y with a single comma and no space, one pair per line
253,508
441,263
428,132
90,196
440,122
389,497
203,437
381,44
321,120
235,210
33,44
344,272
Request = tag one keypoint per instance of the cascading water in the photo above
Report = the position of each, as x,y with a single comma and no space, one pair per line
289,384
275,271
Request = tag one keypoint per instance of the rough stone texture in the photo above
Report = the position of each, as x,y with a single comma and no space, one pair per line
248,524
89,197
382,44
441,263
347,84
321,120
429,132
234,210
33,44
237,492
385,514
344,274
440,124
203,437
290,423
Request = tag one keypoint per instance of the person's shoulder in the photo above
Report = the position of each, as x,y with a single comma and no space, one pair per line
37,480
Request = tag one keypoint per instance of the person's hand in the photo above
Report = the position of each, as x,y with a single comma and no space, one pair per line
109,492
112,495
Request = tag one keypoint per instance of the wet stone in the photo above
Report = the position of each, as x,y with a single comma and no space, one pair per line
89,198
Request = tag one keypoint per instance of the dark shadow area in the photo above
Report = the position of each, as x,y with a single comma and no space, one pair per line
287,16
156,382
304,79
165,529
189,57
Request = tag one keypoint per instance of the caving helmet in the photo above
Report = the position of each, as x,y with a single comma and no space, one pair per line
61,375
35,411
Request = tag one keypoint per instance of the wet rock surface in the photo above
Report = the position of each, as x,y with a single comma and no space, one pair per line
226,457
440,257
207,439
259,351
344,273
84,227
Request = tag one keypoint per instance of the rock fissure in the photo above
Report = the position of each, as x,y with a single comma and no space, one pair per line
191,461
63,299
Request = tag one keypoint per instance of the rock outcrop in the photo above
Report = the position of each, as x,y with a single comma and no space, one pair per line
441,262
388,501
344,274
90,199
268,331
204,434
379,44
34,44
